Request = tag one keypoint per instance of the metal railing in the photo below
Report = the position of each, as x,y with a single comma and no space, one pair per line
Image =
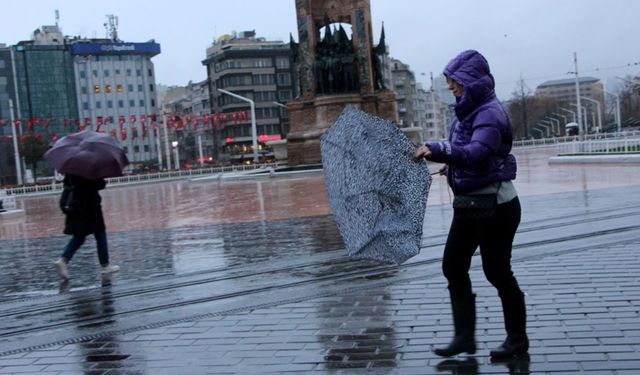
574,139
56,186
601,146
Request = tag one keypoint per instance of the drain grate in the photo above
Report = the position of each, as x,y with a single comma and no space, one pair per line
107,357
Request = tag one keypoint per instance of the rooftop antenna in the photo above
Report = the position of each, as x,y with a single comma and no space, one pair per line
112,27
57,17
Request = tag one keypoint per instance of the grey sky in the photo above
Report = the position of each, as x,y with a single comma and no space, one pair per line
533,39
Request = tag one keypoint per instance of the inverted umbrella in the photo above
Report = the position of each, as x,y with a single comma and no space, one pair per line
377,192
88,154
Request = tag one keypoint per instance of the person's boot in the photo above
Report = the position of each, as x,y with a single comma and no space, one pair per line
515,322
464,322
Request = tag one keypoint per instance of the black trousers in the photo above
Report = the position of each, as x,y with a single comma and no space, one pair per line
495,238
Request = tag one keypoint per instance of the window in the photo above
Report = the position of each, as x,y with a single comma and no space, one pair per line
107,89
95,72
83,90
120,103
132,103
151,87
96,89
136,148
284,79
85,106
140,88
3,64
83,74
150,73
153,102
141,103
117,71
282,63
119,88
284,95
138,73
109,103
98,104
130,87
106,73
146,148
128,72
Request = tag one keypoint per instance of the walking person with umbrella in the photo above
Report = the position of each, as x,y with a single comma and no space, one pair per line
83,216
479,169
86,158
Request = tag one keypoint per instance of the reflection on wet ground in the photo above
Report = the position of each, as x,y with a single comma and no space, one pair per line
250,277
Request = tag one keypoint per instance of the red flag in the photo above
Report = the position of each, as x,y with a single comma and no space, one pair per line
121,121
123,130
132,119
99,121
195,122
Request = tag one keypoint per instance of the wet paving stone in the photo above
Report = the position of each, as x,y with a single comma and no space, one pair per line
262,286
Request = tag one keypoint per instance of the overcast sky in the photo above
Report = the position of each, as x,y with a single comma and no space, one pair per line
532,39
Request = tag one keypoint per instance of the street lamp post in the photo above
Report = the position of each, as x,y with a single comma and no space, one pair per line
546,124
618,119
597,103
16,150
559,115
254,130
174,144
578,105
583,124
556,122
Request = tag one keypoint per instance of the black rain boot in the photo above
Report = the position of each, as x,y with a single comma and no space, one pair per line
515,322
464,322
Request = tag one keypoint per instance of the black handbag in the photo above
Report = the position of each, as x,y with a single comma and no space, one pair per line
475,207
67,200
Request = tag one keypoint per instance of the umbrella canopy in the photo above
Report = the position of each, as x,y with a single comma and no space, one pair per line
377,192
87,154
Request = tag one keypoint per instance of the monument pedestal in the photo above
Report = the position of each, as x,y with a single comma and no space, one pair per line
310,118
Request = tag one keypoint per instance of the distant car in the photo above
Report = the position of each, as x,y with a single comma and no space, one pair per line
572,128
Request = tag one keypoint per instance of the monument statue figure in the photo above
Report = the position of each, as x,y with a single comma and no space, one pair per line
335,69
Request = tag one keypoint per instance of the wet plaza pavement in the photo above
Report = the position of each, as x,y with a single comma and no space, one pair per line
249,277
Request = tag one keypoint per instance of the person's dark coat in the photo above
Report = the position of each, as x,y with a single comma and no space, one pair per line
85,216
478,149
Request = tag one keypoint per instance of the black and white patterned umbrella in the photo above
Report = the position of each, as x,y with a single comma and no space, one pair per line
377,193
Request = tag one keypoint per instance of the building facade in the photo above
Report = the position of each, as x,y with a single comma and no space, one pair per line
46,92
7,92
116,92
256,69
591,93
403,82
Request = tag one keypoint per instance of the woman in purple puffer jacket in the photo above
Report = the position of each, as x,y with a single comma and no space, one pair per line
478,161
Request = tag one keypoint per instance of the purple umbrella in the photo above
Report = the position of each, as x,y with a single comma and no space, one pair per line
88,154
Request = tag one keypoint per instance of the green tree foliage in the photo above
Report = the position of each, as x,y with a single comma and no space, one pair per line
32,147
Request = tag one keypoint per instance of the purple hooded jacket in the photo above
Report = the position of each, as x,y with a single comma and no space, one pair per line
478,150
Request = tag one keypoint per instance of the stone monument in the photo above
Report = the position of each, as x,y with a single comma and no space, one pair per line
335,69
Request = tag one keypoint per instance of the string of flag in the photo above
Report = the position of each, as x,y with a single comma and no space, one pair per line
129,125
